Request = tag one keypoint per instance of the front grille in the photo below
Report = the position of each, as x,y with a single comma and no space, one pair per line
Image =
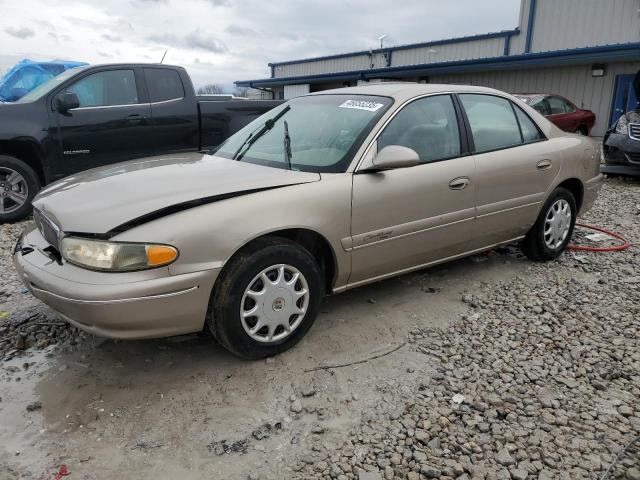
634,131
633,157
47,228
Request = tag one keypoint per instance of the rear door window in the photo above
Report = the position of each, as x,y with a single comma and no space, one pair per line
428,125
493,122
540,104
530,132
557,106
568,106
163,84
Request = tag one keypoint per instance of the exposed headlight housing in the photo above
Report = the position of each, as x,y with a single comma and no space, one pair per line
622,126
115,256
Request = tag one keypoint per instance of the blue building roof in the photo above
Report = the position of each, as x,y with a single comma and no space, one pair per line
602,54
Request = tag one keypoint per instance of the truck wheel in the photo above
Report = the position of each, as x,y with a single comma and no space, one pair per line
266,299
18,185
552,231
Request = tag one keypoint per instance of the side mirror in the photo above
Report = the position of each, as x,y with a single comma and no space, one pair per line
66,101
392,157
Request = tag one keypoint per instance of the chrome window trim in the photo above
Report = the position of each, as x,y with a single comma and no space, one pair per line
471,92
127,105
168,101
96,107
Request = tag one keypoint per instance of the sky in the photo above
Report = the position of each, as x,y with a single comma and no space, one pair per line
220,41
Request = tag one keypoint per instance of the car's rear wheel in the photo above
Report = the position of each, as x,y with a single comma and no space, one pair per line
552,231
18,185
582,130
266,298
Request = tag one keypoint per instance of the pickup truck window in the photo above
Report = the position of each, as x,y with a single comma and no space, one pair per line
164,84
46,87
109,88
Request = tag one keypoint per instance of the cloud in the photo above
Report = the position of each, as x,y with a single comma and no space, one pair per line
111,38
196,40
235,39
20,32
241,31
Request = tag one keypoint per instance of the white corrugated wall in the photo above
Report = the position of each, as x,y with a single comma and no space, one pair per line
562,24
573,82
491,47
344,64
291,91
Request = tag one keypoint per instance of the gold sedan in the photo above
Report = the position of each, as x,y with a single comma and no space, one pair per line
324,193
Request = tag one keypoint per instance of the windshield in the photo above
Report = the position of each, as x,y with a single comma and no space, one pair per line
324,132
49,85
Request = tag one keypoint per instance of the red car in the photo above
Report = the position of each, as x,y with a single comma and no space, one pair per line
563,113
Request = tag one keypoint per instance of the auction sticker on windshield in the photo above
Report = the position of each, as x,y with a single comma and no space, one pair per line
362,105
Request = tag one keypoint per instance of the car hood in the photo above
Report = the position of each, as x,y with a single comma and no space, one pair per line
110,199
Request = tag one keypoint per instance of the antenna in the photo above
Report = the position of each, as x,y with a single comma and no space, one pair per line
164,55
386,59
381,38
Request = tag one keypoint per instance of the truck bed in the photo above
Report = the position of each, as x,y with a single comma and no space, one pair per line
221,119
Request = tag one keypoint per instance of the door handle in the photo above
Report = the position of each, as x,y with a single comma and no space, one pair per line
544,165
459,183
136,118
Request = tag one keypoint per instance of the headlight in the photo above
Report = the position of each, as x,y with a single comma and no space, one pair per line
622,126
115,256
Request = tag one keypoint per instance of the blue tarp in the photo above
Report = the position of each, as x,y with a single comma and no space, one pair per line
27,75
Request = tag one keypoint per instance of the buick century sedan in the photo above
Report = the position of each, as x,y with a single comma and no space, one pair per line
324,193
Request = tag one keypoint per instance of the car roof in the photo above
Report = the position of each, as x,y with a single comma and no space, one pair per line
404,90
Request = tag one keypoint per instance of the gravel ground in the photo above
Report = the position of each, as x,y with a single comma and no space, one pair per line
538,378
24,322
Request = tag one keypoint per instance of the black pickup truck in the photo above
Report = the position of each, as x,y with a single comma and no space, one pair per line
96,115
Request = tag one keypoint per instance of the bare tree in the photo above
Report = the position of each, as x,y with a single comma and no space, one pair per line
241,92
211,89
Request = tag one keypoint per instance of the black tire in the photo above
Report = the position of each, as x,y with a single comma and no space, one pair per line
534,245
224,309
582,130
32,183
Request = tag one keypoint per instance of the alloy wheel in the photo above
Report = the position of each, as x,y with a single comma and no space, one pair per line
13,190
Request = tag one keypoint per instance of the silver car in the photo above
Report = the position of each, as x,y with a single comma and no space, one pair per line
324,193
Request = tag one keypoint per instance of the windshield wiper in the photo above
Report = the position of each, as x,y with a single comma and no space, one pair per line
255,135
287,145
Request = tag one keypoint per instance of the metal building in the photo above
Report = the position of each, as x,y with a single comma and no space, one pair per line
585,50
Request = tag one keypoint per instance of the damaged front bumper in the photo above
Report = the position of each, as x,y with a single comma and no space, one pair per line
129,305
622,155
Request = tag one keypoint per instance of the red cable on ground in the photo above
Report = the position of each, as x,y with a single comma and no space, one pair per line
62,472
616,248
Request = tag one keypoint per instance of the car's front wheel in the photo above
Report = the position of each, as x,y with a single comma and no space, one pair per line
18,185
266,299
552,231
